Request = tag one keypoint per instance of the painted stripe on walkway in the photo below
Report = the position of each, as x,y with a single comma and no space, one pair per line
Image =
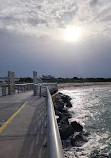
10,119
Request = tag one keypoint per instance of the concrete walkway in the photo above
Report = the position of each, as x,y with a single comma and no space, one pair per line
25,135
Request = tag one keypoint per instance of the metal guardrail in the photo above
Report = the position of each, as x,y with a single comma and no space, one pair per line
19,88
55,149
23,87
54,140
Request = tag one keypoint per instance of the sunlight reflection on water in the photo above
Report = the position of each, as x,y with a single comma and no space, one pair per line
92,108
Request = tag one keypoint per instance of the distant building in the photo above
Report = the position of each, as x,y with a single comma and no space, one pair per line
47,77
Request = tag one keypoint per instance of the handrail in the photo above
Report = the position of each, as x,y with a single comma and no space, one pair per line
54,140
23,84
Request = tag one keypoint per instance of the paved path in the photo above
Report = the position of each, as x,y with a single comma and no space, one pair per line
25,134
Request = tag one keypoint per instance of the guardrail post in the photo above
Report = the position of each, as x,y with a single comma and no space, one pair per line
11,81
18,89
31,87
40,91
28,87
35,82
22,88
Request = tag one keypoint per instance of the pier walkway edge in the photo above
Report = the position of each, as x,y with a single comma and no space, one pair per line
28,128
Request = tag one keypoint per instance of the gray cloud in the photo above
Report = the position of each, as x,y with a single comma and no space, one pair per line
107,18
66,17
29,31
93,3
35,21
27,16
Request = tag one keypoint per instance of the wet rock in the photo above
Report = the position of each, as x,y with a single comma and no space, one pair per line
65,111
64,120
66,143
65,131
73,131
76,126
58,113
86,134
63,115
53,91
69,105
55,106
60,104
76,138
65,98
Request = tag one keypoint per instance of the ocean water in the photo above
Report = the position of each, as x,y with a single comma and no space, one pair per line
92,108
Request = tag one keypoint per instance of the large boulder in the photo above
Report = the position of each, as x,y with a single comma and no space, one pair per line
63,115
58,113
55,106
65,130
53,90
66,112
64,120
76,126
65,98
60,104
78,139
68,104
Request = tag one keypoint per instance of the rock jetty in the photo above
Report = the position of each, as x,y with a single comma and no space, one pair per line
73,131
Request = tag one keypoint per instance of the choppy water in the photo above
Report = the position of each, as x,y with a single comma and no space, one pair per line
92,108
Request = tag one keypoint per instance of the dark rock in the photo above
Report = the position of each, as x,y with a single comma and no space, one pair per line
55,106
65,130
65,98
86,134
60,94
58,120
60,104
66,112
58,113
53,91
66,143
77,137
64,120
76,126
69,105
63,115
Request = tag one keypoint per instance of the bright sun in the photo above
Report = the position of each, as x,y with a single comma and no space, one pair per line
72,34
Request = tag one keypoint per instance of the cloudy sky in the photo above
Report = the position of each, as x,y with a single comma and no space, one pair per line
64,38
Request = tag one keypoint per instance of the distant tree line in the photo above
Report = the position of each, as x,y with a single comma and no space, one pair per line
25,80
78,80
50,78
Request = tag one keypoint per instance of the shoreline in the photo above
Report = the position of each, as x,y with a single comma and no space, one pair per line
71,86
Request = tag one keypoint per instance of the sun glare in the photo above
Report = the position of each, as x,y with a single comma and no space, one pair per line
72,34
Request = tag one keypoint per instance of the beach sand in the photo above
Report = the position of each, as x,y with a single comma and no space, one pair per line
66,86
